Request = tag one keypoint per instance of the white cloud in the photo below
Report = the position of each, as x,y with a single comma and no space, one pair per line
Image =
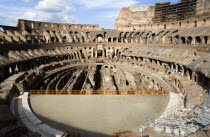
54,6
46,10
103,4
48,16
62,10
27,0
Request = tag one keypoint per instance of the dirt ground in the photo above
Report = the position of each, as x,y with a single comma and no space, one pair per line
97,115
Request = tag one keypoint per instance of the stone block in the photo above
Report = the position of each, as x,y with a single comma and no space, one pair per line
176,131
168,130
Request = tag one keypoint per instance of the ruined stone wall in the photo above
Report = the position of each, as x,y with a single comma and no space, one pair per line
187,23
136,15
163,15
30,25
203,7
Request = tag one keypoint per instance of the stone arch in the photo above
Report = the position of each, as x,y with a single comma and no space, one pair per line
64,39
152,38
99,38
189,40
198,40
29,39
115,40
176,39
183,40
206,40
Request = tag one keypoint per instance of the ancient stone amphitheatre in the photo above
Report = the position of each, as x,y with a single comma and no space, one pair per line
148,76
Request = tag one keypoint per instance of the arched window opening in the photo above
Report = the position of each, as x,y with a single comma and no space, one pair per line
197,40
206,39
183,40
114,40
195,23
204,21
164,26
189,40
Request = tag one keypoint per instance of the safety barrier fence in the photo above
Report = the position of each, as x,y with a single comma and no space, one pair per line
121,133
72,134
98,92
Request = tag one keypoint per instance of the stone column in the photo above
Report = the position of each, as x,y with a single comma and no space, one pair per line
96,53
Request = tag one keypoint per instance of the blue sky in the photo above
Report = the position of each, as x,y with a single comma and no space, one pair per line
102,12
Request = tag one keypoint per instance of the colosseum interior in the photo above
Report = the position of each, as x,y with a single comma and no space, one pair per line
149,76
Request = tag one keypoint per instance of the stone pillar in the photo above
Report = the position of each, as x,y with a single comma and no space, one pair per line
132,40
202,40
177,68
208,41
96,53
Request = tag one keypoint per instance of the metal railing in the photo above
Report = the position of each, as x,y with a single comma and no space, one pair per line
72,134
121,133
98,92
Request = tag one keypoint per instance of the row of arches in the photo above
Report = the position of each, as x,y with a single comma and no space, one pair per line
196,77
33,63
195,40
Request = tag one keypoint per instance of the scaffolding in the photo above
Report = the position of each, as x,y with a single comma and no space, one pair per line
165,11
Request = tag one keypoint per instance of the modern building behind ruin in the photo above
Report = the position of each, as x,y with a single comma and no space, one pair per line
161,49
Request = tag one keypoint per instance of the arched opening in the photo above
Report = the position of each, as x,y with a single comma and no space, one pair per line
64,39
36,40
189,40
153,38
195,23
195,78
164,26
176,40
109,39
114,40
52,39
99,53
29,40
206,39
99,38
197,40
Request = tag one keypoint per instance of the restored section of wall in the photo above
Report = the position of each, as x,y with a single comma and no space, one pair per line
165,11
